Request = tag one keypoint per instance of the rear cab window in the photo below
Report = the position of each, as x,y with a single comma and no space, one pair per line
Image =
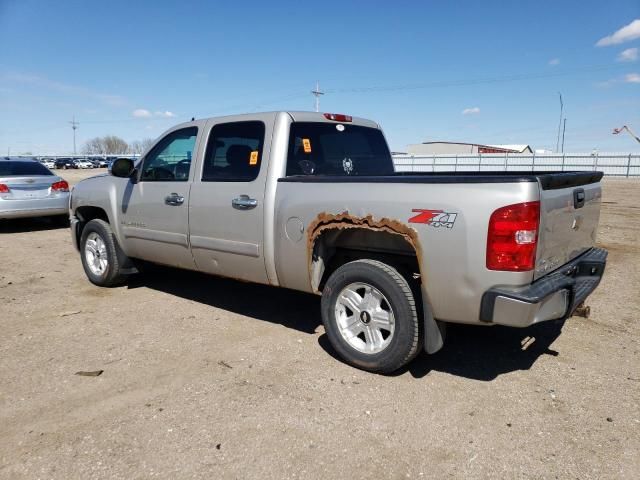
343,149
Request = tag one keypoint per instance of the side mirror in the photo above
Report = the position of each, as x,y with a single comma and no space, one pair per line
122,167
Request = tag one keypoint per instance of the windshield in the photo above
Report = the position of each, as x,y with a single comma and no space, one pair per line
19,169
337,149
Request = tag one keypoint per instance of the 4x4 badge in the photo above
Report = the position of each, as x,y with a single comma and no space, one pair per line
435,218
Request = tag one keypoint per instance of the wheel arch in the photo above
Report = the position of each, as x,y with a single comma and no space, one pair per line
334,240
85,214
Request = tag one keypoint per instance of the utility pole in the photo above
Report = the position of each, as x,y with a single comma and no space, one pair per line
564,126
316,93
560,122
74,126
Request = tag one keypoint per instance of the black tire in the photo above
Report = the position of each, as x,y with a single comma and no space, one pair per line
112,275
407,338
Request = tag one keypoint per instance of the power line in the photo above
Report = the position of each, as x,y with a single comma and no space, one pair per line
476,81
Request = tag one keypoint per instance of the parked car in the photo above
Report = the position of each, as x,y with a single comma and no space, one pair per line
99,162
49,163
65,163
84,163
311,202
29,189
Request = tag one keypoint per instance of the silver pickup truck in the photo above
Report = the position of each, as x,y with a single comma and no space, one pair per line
311,202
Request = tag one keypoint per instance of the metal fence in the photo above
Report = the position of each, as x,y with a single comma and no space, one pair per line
620,165
614,164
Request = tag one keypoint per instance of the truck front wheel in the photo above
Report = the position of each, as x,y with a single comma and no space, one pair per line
99,252
370,316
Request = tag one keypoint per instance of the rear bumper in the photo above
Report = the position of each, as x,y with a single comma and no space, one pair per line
552,297
40,207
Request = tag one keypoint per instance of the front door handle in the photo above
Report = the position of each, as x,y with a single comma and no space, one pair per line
244,202
174,199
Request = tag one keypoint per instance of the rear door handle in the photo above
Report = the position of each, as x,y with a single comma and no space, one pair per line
174,199
244,202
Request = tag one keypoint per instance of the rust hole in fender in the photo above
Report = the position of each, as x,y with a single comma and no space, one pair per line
343,221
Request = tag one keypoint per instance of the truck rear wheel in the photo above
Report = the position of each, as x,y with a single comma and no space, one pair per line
370,316
100,254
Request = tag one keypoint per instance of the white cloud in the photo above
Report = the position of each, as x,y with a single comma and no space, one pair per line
165,114
628,78
141,113
554,61
625,34
144,113
471,111
628,55
632,78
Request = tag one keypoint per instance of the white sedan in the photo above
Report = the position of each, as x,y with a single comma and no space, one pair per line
84,164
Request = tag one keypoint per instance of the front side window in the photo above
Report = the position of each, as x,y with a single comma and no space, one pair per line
170,159
337,149
234,152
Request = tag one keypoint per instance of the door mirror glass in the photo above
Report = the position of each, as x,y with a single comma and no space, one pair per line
122,167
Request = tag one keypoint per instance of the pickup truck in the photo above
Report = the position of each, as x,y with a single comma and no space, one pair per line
311,202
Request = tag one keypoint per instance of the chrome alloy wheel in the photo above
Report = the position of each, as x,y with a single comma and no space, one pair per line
364,318
95,253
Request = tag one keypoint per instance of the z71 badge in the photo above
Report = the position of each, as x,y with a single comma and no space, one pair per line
435,218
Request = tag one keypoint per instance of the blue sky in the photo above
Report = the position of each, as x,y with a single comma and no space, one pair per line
486,72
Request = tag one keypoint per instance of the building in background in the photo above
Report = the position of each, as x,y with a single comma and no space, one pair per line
460,148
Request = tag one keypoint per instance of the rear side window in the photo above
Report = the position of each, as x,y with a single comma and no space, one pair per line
170,159
234,152
337,149
18,169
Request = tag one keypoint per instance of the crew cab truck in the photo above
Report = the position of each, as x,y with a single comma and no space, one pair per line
311,202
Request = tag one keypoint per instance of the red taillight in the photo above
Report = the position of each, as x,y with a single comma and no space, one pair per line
60,186
338,117
513,237
4,188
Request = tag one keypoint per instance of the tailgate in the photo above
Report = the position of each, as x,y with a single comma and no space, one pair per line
27,188
569,214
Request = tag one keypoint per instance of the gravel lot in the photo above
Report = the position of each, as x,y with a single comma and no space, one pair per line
212,378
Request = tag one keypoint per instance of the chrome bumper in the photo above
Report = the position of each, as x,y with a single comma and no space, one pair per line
553,297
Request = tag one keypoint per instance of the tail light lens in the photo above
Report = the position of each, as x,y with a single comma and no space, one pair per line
60,186
513,237
4,188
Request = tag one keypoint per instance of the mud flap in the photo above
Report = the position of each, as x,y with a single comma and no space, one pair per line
126,265
433,330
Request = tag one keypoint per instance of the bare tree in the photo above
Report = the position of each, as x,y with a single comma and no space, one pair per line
93,147
114,145
107,145
137,147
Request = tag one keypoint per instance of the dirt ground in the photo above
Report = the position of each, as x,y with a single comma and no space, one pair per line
212,378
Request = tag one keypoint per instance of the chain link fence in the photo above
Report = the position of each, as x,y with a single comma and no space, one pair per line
619,165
